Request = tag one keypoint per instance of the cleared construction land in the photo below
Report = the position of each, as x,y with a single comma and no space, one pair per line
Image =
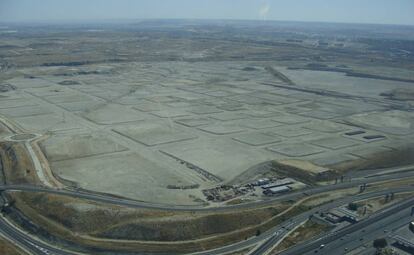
156,130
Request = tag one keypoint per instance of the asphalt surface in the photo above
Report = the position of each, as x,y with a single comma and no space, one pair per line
106,198
27,242
272,236
353,236
36,247
269,237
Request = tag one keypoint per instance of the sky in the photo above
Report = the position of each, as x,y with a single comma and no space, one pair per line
347,11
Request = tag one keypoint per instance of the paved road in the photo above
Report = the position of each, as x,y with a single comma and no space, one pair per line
106,198
37,247
367,234
275,234
352,236
30,244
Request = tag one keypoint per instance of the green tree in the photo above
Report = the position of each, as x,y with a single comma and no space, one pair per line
380,243
352,206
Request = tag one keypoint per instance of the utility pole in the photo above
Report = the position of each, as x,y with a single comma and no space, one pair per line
362,187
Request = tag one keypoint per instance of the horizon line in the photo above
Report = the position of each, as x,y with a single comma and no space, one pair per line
129,20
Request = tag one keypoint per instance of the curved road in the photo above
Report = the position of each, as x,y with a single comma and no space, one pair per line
106,198
270,237
351,236
38,247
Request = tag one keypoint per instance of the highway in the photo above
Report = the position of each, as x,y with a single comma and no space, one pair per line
272,236
109,199
37,247
27,242
354,235
267,239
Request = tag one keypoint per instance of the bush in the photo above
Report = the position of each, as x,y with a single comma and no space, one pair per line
380,243
352,206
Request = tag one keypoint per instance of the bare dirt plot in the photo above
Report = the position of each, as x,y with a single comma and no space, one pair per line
48,91
181,104
193,122
328,107
25,111
82,106
147,106
391,122
334,142
295,150
370,152
218,93
256,139
290,119
326,126
3,130
231,106
162,99
30,83
222,129
204,109
18,102
260,113
251,100
350,85
125,174
155,133
322,115
170,113
108,94
329,159
67,98
47,122
275,99
230,157
288,131
225,116
259,124
79,145
112,113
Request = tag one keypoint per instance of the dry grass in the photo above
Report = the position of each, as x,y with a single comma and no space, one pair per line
17,167
148,230
98,225
378,203
8,248
139,224
391,184
305,232
402,156
242,252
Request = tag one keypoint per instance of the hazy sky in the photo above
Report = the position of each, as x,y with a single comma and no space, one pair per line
355,11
